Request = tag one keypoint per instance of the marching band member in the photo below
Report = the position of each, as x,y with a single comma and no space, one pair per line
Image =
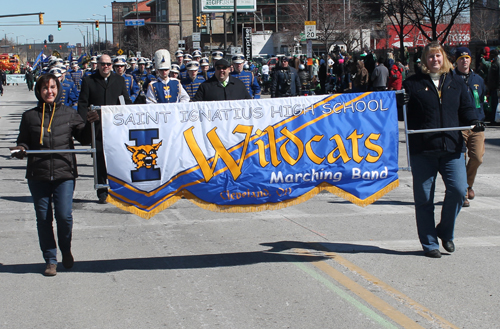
165,89
247,77
119,65
193,80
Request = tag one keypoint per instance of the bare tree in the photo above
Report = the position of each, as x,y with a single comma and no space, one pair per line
395,11
149,43
354,20
334,22
425,15
484,25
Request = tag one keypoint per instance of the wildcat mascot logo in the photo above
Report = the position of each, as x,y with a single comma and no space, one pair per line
144,155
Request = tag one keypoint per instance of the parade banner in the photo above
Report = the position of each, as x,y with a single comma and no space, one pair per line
251,155
15,78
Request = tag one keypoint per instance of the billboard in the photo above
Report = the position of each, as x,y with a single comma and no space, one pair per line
227,6
459,35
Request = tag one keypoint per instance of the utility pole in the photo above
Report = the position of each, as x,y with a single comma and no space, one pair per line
180,20
137,17
235,28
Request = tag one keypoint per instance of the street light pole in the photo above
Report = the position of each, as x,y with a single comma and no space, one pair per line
105,31
6,37
17,42
137,17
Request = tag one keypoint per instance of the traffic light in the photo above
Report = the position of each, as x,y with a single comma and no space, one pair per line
40,19
97,25
59,25
204,20
198,21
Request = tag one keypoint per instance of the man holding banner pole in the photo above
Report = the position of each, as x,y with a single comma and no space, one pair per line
101,88
222,86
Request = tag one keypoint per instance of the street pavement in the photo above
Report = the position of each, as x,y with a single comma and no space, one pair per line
325,263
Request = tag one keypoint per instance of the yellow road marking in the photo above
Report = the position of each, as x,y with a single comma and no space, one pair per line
381,305
366,295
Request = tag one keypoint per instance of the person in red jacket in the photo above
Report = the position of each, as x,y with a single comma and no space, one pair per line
395,78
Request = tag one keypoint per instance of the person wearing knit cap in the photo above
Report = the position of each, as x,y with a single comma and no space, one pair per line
474,141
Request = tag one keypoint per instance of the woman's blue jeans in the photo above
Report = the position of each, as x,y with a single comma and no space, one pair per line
424,168
60,194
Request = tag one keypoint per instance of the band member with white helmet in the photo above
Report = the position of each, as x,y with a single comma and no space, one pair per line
166,89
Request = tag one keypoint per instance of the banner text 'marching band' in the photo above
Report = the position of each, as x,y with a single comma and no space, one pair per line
251,155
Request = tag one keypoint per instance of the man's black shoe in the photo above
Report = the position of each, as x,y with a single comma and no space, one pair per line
449,246
102,198
67,259
433,254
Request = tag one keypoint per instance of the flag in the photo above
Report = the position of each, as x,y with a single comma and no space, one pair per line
251,155
80,59
38,60
70,57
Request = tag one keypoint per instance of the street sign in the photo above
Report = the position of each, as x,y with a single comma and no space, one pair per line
119,52
134,22
196,45
235,50
196,36
181,44
310,29
247,43
227,6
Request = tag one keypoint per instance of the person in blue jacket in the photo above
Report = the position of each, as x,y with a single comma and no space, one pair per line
69,92
473,140
165,89
76,74
120,66
193,80
438,98
247,77
216,55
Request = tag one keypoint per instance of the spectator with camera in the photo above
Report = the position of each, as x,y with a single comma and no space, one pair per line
285,80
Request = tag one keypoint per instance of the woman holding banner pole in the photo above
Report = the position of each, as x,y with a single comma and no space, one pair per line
437,98
51,176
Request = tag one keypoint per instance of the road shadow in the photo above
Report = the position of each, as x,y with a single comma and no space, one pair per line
379,202
24,199
169,262
493,141
349,248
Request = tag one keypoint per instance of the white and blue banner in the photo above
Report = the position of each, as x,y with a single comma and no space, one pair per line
15,78
251,155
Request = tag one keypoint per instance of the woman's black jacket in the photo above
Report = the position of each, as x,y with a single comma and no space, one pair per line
427,110
66,124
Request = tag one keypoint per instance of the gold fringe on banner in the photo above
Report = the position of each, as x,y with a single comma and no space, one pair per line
141,213
276,206
254,208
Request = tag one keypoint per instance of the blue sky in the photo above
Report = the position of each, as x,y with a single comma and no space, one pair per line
27,27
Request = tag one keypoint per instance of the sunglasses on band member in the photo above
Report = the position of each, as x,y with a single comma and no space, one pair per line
221,67
106,64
